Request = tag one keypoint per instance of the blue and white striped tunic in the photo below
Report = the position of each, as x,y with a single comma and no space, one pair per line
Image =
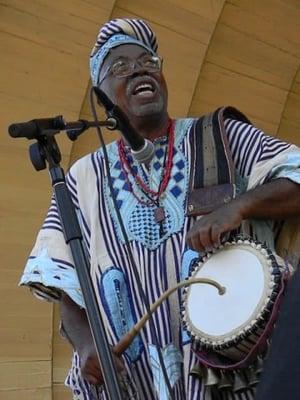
161,257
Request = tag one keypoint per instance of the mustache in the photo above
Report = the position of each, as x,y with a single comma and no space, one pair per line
134,81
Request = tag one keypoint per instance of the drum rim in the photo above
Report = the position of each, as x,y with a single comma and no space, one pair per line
273,270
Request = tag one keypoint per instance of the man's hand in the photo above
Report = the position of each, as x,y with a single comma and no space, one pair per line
90,367
207,232
76,329
278,199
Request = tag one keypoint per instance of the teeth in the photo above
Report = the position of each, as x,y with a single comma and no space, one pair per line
143,86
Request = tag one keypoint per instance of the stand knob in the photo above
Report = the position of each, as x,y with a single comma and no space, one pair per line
37,156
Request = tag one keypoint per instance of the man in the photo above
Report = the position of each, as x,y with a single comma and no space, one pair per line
156,203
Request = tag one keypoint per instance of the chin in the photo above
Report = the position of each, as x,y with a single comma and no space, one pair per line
148,109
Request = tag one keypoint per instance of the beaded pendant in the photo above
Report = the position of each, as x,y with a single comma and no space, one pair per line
159,215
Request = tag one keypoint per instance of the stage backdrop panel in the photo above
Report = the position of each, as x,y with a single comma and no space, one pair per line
216,52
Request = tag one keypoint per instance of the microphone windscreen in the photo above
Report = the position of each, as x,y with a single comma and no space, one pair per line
23,129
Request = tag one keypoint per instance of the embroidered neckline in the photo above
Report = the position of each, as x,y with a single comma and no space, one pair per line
140,220
129,170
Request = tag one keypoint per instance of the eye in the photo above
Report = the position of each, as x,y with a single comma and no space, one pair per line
151,62
120,67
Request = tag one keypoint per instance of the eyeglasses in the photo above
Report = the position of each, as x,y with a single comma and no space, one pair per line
125,67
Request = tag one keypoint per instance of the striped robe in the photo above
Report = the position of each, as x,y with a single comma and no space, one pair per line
160,255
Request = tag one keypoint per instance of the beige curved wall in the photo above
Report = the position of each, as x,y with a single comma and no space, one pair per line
239,52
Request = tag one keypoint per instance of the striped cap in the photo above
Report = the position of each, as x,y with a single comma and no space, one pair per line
115,33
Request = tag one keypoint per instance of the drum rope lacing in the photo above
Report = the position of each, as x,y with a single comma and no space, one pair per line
277,267
262,339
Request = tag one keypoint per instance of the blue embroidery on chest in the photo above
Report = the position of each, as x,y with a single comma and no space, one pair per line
139,219
117,302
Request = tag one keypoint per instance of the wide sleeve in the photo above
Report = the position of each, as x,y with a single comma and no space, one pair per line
50,268
260,158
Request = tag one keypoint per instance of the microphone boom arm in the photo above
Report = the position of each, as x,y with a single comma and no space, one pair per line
37,128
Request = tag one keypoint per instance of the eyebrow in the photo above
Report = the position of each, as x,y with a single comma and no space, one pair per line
125,57
105,71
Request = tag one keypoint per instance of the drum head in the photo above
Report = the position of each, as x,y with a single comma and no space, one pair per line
245,273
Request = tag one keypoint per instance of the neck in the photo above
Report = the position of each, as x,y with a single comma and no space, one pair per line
152,128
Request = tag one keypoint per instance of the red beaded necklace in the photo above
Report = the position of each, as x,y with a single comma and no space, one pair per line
127,169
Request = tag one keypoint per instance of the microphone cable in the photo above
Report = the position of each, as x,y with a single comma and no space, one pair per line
128,248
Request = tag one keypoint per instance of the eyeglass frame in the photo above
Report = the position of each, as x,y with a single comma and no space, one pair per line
133,64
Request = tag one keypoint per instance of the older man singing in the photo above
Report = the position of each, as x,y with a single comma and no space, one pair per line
208,177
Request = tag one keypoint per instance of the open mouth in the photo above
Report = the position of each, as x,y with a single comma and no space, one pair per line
144,89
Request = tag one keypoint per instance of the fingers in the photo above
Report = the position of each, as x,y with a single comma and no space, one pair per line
193,241
216,234
208,231
119,364
92,379
204,239
91,370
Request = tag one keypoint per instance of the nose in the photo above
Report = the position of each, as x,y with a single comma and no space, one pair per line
139,69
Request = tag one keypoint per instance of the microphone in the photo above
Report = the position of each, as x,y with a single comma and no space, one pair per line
34,128
142,149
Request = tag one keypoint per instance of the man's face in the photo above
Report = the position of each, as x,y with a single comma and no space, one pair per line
140,94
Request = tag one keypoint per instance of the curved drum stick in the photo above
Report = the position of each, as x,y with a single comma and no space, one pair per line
127,339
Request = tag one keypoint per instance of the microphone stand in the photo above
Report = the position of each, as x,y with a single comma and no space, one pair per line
46,149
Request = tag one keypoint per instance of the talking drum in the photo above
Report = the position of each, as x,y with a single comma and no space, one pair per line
238,324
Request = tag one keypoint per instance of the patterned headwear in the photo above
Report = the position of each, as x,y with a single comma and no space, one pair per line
115,33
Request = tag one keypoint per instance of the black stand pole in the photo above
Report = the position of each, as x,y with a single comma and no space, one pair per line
74,238
46,149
